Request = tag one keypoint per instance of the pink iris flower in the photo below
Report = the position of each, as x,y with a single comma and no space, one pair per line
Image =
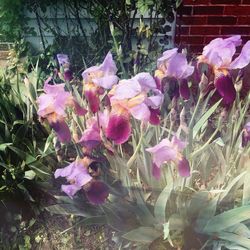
174,65
219,55
91,136
77,175
131,97
97,79
52,106
169,151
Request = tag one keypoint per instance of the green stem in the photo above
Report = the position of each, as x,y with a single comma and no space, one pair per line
133,157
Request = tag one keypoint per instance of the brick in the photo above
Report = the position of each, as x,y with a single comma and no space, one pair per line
195,2
208,10
204,30
183,30
197,49
237,10
187,20
190,39
222,20
243,20
225,1
235,30
185,10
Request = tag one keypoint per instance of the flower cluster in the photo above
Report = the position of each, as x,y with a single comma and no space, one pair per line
112,105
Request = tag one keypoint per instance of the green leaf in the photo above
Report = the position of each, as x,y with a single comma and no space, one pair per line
30,175
246,187
161,203
227,219
68,209
3,146
143,235
165,230
242,241
204,118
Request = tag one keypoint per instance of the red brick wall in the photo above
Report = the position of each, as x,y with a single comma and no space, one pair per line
200,21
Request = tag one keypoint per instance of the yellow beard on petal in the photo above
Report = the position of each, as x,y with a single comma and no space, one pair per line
159,73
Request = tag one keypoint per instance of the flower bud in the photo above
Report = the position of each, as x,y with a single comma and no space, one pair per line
246,135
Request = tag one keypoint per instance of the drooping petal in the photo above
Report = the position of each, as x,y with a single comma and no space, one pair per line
225,87
97,192
140,112
68,75
61,129
156,171
243,59
106,82
184,89
93,100
118,129
154,116
183,167
146,81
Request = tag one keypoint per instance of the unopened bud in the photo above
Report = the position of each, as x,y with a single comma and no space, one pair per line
238,85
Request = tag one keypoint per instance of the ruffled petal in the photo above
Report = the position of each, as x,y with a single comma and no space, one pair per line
140,112
178,67
106,82
243,59
127,89
146,81
63,172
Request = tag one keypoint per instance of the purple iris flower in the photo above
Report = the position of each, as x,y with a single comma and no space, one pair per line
219,55
79,178
169,151
174,65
